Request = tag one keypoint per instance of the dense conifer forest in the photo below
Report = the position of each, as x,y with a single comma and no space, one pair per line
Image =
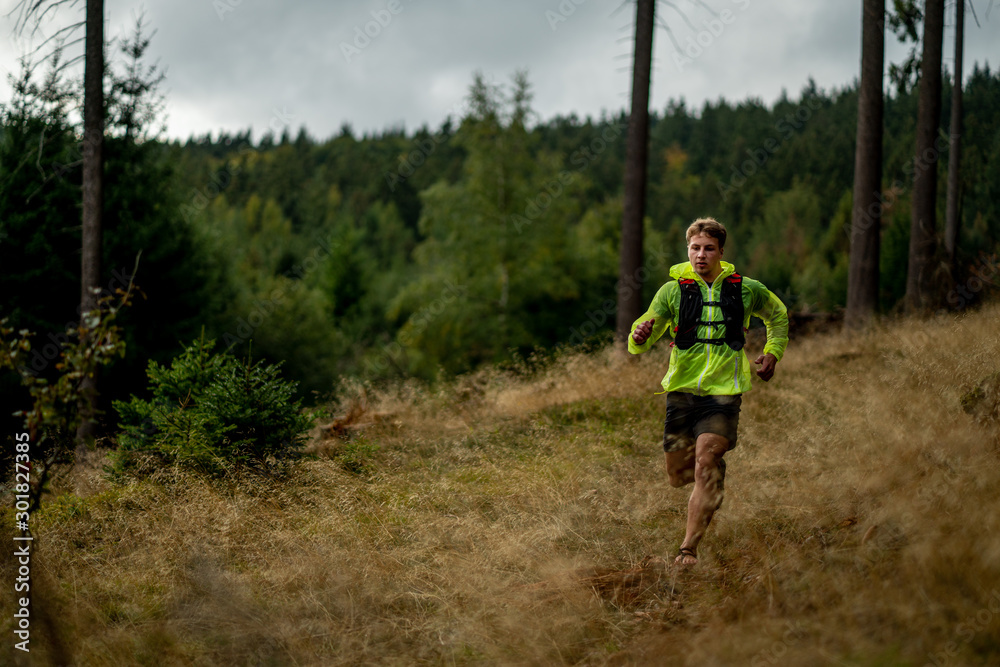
436,250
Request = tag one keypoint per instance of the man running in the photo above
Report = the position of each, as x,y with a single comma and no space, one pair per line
706,309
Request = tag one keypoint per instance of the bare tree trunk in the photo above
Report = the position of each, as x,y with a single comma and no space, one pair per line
93,173
630,304
866,221
952,207
923,222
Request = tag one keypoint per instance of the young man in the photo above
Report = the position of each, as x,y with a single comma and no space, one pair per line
706,308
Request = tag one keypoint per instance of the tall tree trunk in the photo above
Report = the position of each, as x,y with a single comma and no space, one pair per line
863,274
630,304
923,222
93,173
952,206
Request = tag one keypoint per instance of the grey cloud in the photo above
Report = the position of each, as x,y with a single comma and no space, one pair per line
233,71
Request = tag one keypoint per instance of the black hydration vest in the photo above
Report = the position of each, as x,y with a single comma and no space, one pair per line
731,302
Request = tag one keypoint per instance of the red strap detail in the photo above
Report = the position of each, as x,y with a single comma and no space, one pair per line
685,281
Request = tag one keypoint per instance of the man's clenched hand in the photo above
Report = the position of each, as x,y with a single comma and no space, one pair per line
642,332
768,362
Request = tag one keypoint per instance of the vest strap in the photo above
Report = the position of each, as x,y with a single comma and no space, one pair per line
692,312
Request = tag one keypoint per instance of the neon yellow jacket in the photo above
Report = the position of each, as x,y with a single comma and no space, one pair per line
705,369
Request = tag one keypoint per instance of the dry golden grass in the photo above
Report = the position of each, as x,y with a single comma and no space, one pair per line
508,519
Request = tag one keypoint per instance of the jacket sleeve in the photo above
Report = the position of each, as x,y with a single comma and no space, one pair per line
768,307
663,321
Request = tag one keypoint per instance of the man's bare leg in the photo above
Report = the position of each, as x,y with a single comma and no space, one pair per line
680,467
707,494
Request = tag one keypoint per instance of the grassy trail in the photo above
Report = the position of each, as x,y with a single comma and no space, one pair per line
509,520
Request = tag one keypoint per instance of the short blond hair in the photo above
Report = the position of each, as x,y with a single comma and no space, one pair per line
710,227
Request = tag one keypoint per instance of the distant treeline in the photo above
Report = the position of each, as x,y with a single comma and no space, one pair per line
435,251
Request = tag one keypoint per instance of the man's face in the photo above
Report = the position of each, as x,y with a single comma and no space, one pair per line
705,256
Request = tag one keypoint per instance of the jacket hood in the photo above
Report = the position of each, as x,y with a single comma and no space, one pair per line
685,270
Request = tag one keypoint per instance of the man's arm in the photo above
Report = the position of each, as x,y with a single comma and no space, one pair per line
769,308
652,324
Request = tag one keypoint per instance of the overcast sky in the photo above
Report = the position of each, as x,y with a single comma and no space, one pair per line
375,64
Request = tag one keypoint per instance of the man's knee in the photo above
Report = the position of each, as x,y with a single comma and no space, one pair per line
710,448
708,460
680,467
707,463
678,479
679,473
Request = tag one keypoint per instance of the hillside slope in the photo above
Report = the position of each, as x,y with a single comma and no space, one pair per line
510,519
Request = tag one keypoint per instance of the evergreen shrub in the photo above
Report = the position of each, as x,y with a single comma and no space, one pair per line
211,412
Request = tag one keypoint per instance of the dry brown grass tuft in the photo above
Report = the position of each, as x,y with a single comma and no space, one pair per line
525,519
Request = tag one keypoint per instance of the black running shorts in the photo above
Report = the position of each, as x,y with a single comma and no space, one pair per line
688,416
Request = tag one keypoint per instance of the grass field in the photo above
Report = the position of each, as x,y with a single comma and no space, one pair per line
525,519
